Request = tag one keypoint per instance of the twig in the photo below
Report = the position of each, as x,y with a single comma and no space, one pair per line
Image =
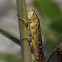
59,51
49,57
55,50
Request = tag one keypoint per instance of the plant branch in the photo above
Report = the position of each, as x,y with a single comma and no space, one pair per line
50,55
25,47
55,50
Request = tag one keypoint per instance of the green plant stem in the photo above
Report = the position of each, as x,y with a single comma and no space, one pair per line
25,48
10,35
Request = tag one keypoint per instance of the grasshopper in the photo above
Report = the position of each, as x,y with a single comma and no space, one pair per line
35,35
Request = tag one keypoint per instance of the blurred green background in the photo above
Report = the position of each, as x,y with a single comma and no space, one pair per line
50,15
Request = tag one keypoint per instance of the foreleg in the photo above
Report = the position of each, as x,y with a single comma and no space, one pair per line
24,20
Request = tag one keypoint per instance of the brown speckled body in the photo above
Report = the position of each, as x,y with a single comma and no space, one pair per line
35,32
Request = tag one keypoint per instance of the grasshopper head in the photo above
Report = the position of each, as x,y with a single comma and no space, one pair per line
30,14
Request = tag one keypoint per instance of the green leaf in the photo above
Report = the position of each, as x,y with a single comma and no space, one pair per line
10,35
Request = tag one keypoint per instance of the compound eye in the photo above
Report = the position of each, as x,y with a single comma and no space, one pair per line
33,13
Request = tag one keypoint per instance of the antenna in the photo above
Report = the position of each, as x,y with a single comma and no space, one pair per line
36,3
